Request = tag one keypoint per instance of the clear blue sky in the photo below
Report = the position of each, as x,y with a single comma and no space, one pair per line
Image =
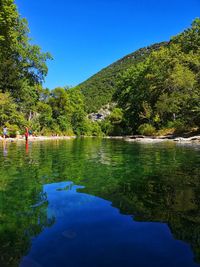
85,36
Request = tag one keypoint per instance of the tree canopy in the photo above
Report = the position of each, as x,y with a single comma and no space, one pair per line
165,88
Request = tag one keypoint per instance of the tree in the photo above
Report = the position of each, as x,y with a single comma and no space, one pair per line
8,113
45,114
189,40
20,61
166,85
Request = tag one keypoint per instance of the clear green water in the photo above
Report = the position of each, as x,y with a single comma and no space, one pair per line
99,203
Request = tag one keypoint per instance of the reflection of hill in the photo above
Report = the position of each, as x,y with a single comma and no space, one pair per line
171,197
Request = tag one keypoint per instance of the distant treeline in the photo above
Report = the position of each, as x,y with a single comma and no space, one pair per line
155,89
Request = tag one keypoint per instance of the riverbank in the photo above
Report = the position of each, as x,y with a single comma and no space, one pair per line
38,138
134,138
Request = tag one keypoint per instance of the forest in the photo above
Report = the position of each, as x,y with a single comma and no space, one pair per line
155,90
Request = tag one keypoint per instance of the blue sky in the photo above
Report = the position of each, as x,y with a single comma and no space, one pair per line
85,36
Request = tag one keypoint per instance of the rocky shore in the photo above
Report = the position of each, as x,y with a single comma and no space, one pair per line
158,139
154,139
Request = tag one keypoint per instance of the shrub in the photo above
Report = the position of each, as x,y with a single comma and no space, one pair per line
146,129
45,132
96,129
116,116
165,131
68,132
106,127
179,126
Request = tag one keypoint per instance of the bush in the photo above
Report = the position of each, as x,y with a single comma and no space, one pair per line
68,132
106,127
46,132
165,131
116,116
179,126
96,129
146,129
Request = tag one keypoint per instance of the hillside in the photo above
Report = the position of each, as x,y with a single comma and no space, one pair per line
98,89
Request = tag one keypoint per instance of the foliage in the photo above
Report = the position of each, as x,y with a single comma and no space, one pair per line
22,68
179,126
99,89
166,86
106,127
146,129
20,61
116,116
8,112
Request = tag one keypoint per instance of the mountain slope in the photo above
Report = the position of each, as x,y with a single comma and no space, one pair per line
99,89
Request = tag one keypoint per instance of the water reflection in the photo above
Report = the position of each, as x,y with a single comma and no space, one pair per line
88,231
27,145
5,151
157,187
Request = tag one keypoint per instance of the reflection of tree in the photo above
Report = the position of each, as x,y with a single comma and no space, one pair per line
152,183
20,218
170,196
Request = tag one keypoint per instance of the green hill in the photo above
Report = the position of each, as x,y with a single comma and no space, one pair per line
99,89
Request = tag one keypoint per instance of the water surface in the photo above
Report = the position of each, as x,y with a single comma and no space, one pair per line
99,203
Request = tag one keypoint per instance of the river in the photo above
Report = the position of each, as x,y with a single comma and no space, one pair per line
99,203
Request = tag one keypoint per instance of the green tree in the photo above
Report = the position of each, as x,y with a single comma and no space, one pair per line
166,86
8,113
22,65
45,114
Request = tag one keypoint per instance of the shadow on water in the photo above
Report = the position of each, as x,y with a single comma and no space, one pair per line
135,204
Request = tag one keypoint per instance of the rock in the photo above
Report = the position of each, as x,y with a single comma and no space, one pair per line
103,113
179,139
